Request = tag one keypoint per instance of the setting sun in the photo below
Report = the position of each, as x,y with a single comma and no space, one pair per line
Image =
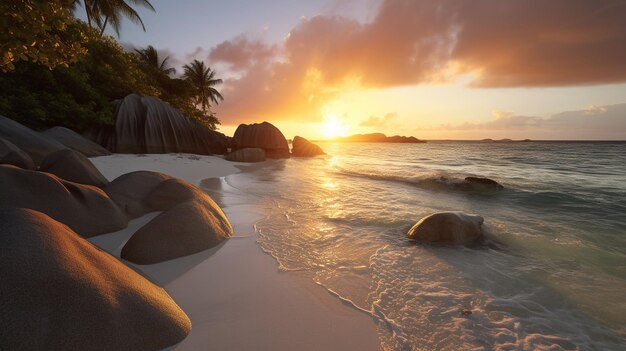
334,127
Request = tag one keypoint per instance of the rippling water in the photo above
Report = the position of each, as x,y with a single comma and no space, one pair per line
553,277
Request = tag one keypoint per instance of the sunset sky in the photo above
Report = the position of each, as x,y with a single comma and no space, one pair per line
448,69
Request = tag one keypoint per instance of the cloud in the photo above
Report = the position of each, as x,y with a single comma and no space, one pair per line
505,43
241,52
374,121
596,122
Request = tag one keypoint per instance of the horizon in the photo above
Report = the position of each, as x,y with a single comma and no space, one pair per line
315,67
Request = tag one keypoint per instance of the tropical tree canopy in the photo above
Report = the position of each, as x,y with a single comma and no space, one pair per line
203,80
150,57
38,31
101,13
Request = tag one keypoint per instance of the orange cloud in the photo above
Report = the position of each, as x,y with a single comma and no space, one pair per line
507,43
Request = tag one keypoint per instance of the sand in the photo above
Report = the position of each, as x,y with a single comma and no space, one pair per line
234,294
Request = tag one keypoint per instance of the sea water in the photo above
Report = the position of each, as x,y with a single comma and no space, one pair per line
552,275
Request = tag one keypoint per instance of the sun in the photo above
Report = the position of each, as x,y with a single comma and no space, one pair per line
334,127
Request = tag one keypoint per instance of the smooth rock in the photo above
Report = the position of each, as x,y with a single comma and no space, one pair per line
76,142
145,124
129,191
13,155
246,155
60,292
192,222
304,148
183,230
73,166
35,144
261,135
85,209
454,228
483,182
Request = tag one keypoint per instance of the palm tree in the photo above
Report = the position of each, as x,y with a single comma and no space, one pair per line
150,56
203,80
104,12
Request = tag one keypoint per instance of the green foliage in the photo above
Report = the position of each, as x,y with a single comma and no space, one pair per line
77,96
38,31
75,86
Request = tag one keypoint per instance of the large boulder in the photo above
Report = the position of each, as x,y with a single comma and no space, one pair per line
59,292
84,208
145,124
130,191
261,135
454,228
192,222
186,229
13,155
305,148
76,141
35,144
249,154
73,166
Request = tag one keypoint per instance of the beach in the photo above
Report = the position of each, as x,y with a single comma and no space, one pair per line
234,294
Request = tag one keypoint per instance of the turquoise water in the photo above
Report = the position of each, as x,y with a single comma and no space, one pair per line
552,277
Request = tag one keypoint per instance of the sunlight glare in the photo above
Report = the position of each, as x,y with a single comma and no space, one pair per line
334,127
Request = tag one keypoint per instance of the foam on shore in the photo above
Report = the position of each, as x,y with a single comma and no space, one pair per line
234,294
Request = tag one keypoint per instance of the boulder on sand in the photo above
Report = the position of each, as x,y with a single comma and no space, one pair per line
261,135
84,208
75,141
60,292
13,155
186,229
35,144
192,222
129,191
305,148
145,124
249,154
454,228
73,166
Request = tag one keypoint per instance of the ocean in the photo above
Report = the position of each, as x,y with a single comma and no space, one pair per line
551,276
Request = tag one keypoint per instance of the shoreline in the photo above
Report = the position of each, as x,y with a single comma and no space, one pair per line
234,294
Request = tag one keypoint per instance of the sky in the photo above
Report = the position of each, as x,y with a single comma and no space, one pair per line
447,69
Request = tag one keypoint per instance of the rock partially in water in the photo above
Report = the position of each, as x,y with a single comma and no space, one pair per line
73,166
261,135
145,124
455,228
304,148
130,191
13,155
35,144
483,182
192,222
246,155
60,292
84,208
76,142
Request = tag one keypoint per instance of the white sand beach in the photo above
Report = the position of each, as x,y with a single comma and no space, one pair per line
234,294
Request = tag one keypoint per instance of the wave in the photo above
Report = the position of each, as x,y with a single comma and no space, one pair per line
434,181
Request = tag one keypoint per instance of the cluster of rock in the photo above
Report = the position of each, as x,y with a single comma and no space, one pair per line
258,141
51,198
145,124
190,222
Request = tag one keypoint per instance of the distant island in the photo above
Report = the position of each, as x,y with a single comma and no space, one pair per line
378,138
